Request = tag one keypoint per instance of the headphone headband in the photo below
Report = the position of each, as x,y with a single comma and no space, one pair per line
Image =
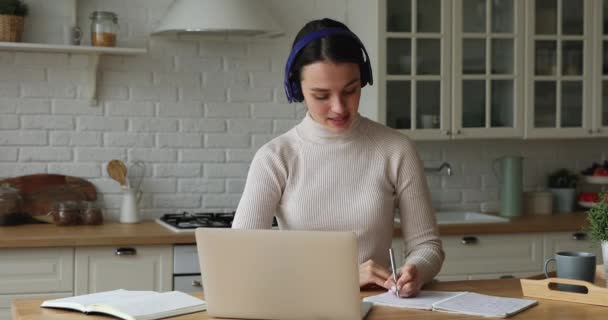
292,88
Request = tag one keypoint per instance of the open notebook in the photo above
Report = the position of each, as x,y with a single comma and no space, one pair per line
456,302
132,305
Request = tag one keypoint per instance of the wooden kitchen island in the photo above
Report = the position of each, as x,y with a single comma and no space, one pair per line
546,309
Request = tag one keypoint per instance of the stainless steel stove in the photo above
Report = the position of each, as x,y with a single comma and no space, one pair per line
187,222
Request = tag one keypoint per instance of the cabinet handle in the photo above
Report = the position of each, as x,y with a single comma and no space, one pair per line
447,132
590,131
458,132
598,131
579,236
125,252
507,276
468,240
196,283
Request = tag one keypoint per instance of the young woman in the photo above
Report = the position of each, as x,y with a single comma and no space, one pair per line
339,171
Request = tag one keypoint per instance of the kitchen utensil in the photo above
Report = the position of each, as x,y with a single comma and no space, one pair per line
40,192
118,171
129,212
510,177
135,175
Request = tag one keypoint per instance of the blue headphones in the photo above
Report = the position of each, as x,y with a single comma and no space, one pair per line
292,86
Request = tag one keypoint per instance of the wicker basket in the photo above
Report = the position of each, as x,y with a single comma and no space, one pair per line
11,28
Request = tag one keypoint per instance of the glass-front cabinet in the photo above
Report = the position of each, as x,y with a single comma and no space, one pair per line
416,87
452,69
599,122
559,46
488,69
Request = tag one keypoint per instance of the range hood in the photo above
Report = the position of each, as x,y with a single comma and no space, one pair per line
223,17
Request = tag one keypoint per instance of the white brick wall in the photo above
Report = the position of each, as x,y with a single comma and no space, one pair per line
196,110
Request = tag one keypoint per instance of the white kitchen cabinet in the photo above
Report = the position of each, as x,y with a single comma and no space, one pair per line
414,84
503,254
599,116
560,44
570,241
454,69
127,267
36,270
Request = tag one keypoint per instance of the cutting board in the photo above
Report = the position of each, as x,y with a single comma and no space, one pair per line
40,192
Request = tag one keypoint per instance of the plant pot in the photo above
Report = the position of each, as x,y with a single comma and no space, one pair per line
563,199
605,256
11,28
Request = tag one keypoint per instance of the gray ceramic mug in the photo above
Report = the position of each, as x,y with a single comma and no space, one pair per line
573,265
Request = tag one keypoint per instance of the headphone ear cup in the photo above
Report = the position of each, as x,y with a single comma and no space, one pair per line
296,91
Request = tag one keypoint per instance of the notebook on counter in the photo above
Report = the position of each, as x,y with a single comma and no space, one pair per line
456,302
132,305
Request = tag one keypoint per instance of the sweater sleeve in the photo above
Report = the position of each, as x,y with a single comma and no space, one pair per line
262,193
418,224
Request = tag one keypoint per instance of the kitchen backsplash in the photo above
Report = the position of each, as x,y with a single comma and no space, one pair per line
196,109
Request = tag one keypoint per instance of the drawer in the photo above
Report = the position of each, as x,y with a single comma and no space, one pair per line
479,254
36,270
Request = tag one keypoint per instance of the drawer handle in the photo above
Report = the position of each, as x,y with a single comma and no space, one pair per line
507,276
579,236
196,283
468,240
125,252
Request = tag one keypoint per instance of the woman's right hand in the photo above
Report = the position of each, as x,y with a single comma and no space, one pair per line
373,274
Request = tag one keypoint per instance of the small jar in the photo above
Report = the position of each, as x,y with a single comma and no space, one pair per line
66,213
91,213
104,28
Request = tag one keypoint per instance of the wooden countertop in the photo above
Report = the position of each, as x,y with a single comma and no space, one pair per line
150,233
546,309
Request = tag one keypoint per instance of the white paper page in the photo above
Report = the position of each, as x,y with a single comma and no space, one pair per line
424,300
99,298
161,303
484,305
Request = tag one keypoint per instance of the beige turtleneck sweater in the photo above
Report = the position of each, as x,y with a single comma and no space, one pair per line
314,179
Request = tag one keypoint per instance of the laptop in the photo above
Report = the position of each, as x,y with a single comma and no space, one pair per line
271,274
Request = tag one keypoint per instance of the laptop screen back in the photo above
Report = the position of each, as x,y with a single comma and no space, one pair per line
268,274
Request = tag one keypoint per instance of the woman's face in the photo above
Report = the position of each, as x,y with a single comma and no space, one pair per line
331,93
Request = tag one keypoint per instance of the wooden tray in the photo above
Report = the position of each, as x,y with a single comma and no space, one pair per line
597,292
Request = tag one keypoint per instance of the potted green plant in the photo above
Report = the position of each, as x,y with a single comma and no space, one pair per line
562,184
597,228
12,19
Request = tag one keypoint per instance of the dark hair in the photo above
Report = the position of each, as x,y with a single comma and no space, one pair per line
333,48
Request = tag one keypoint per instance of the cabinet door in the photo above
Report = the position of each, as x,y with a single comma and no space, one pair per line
499,254
488,69
415,80
600,111
559,101
570,241
26,270
6,300
129,267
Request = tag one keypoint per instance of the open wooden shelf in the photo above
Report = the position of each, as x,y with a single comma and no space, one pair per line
43,47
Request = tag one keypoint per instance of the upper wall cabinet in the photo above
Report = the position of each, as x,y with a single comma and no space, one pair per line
494,68
560,50
488,69
415,72
454,69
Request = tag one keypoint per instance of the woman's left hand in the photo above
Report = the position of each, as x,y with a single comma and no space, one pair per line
409,281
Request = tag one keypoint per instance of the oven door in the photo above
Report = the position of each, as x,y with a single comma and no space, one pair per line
187,283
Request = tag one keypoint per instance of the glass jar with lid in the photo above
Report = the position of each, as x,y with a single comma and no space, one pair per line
104,28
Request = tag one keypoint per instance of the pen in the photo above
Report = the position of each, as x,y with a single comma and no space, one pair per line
394,269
